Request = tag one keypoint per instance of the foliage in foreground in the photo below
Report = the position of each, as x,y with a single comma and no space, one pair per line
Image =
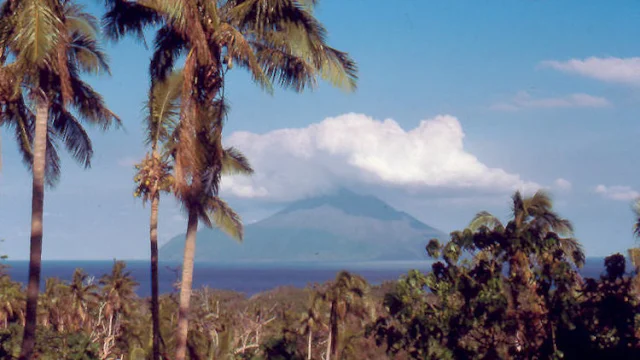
495,291
462,309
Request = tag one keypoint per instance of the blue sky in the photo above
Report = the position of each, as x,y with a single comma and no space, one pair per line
480,98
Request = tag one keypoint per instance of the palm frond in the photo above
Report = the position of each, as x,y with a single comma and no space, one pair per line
308,5
518,208
290,27
287,70
574,250
18,116
80,22
484,219
174,12
332,65
636,225
220,214
540,202
128,17
72,134
38,31
52,161
86,54
91,106
168,46
163,108
338,69
234,162
240,51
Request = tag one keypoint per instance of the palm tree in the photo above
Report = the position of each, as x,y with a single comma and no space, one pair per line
311,320
274,39
522,241
154,175
51,43
532,220
82,293
345,296
52,304
203,204
118,291
11,301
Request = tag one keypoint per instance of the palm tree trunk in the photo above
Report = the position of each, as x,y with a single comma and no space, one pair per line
155,308
37,205
185,286
334,341
309,345
333,319
328,357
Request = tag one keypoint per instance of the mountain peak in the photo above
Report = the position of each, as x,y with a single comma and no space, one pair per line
340,226
349,202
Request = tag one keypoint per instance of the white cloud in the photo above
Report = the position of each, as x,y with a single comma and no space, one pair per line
620,193
562,184
609,69
357,150
523,100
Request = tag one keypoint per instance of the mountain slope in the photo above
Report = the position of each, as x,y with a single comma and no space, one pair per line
340,227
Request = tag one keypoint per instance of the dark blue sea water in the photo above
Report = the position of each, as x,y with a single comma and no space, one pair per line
248,278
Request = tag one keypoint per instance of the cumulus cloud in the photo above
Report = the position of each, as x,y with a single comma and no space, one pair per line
609,69
357,150
620,193
562,184
523,100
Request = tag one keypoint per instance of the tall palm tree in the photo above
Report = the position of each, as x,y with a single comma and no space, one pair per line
274,39
311,319
83,293
345,296
51,42
154,175
202,204
118,291
522,242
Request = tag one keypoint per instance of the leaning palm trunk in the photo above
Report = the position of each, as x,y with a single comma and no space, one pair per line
37,204
185,286
155,308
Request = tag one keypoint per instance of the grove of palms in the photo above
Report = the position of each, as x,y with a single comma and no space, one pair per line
274,40
47,44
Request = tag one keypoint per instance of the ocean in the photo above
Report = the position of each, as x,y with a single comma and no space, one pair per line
247,278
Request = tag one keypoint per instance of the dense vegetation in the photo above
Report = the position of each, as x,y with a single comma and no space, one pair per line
493,291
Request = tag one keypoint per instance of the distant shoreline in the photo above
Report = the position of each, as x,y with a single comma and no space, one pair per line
248,277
